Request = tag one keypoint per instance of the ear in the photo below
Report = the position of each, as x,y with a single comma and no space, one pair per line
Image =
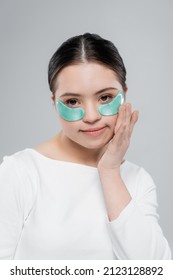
126,89
125,92
53,99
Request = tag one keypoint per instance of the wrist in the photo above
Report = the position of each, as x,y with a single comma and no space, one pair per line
102,168
109,171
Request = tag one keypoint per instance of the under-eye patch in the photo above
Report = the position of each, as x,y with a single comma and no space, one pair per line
70,114
112,107
76,114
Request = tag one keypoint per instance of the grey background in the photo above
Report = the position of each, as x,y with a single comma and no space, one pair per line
31,31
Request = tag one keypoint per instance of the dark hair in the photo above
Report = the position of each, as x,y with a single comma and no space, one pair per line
85,48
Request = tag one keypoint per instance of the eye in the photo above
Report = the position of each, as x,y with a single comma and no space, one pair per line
72,103
106,98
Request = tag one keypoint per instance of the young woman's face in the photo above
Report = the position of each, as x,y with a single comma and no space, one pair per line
87,85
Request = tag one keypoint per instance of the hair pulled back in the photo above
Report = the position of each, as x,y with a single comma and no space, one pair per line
86,48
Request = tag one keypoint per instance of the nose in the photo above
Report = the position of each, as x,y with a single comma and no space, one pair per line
91,113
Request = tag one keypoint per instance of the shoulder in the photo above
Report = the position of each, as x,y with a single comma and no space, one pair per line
133,170
19,180
20,166
20,159
28,157
137,178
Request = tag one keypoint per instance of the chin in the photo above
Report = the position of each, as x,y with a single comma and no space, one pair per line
94,145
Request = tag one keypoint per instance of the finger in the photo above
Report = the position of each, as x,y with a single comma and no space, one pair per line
134,119
120,135
121,118
128,113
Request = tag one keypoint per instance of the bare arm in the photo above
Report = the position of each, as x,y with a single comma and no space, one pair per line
115,192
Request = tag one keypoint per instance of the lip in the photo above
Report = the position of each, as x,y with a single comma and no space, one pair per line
94,131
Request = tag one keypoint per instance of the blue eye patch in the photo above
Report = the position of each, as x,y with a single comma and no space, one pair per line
76,114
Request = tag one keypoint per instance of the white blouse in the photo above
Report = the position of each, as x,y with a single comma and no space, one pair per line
52,209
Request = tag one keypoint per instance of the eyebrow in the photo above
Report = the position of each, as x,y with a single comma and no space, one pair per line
77,94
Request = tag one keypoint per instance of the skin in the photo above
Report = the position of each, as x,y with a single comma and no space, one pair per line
104,151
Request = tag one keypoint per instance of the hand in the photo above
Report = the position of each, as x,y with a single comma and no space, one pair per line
117,147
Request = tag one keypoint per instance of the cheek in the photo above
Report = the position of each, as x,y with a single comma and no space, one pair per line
112,121
69,127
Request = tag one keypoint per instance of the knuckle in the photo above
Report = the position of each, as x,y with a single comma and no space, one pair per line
124,125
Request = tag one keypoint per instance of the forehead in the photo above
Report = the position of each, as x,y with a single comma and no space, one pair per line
85,78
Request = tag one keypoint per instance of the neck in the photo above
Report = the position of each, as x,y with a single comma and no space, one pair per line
73,151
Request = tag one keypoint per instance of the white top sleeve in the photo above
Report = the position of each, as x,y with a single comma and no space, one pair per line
136,233
15,202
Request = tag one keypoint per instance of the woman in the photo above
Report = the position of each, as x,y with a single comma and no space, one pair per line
75,196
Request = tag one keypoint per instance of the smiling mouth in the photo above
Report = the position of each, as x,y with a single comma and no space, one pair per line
94,131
